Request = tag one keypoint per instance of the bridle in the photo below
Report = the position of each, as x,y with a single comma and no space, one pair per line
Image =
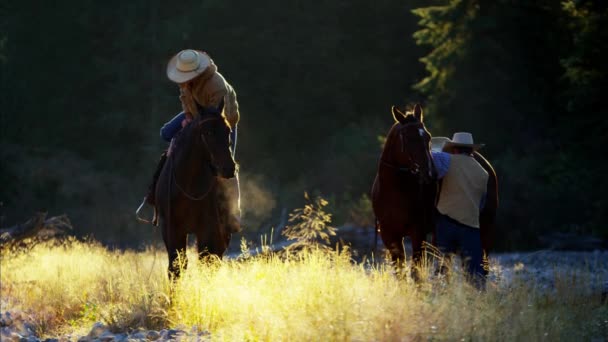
411,166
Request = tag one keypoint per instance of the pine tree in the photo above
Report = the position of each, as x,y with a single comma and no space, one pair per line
495,70
584,131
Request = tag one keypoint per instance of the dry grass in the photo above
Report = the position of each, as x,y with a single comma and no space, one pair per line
311,296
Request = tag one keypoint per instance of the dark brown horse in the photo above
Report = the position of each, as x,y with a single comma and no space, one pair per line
404,191
190,192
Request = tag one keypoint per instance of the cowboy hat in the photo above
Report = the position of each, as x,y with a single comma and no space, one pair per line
461,139
438,142
186,65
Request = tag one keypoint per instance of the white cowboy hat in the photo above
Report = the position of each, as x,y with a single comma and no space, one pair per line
438,142
186,65
462,139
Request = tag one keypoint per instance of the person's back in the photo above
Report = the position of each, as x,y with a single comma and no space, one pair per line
463,189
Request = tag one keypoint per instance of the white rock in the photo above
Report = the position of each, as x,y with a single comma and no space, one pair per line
97,330
174,334
163,334
14,337
24,328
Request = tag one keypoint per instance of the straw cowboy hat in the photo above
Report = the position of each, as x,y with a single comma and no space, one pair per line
438,142
186,65
460,139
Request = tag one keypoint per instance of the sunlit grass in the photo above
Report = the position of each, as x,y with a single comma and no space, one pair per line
311,296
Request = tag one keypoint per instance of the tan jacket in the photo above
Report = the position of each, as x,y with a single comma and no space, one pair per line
462,189
210,88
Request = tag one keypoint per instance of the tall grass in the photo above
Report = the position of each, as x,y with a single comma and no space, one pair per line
313,295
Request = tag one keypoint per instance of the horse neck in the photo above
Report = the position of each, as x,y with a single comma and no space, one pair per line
386,157
188,164
389,146
386,168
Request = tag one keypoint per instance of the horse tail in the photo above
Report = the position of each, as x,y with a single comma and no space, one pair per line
487,217
376,230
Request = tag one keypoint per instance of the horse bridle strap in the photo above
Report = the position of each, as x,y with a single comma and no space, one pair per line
201,123
414,167
413,171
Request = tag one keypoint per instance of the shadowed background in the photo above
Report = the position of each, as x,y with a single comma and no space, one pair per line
83,94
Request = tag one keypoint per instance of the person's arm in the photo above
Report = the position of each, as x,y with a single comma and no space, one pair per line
168,131
231,106
442,163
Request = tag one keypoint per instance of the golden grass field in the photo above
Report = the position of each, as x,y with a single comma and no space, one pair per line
318,296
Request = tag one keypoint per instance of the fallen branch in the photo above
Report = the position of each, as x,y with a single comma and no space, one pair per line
37,226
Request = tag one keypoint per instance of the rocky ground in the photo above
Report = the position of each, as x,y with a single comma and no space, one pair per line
545,268
17,327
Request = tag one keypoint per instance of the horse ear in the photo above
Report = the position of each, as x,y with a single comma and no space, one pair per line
397,114
418,112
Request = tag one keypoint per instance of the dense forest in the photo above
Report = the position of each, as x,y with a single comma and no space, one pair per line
83,93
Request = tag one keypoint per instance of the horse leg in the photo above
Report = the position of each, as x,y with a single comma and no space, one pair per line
217,247
394,244
202,247
417,256
176,243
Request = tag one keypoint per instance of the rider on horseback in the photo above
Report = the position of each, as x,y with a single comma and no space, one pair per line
202,90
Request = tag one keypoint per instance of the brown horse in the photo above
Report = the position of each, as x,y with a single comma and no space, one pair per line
191,196
404,191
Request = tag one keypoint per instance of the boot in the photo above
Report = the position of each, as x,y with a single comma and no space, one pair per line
150,198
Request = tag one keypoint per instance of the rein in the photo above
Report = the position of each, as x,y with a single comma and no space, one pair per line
414,167
184,192
172,171
414,171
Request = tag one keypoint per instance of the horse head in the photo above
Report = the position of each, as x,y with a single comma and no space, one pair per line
214,135
407,145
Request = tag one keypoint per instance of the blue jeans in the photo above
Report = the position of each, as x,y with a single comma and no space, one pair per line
452,237
169,129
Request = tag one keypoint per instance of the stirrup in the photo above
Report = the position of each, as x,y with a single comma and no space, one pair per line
153,221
